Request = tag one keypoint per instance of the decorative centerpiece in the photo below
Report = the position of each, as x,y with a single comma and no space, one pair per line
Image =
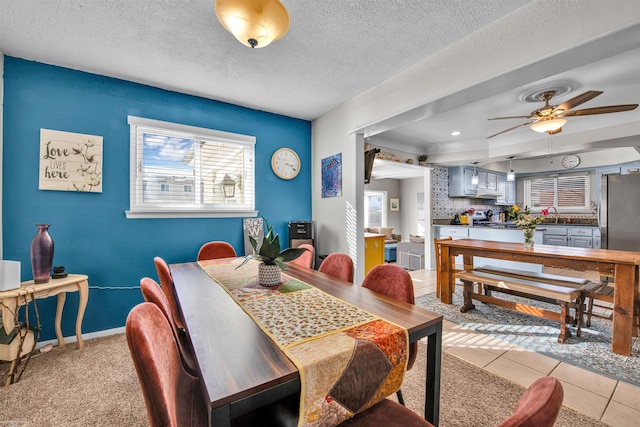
526,222
273,261
41,251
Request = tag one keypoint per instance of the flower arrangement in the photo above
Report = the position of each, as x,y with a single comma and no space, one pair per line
526,221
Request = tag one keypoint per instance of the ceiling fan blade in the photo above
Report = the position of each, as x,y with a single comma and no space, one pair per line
510,117
512,128
600,110
577,100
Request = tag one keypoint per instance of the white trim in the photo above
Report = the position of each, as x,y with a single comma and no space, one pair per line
189,214
85,337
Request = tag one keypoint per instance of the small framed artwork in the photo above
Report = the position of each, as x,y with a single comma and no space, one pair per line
332,176
394,204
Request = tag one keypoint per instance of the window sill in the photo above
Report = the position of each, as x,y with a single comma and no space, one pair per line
140,214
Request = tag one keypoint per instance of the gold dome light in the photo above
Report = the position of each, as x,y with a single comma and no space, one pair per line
255,23
550,126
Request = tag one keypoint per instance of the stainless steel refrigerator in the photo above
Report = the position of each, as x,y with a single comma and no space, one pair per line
619,215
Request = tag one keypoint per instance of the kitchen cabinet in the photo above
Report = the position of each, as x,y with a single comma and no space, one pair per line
460,182
556,236
507,190
580,237
574,236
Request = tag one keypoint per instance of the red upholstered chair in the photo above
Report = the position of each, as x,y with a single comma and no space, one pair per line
394,282
306,259
339,266
166,281
173,397
152,292
539,405
215,250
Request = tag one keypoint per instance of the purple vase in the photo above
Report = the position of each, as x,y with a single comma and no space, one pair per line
42,254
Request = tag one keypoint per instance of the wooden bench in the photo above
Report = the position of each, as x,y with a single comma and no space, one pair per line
533,287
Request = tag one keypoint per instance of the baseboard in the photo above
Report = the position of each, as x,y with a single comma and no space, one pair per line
90,335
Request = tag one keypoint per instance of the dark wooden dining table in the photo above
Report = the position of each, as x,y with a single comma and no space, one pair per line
622,265
242,369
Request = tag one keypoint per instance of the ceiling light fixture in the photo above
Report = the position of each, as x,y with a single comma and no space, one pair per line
475,179
511,174
550,125
455,133
255,23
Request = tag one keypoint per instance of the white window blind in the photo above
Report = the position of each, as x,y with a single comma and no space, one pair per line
567,193
185,171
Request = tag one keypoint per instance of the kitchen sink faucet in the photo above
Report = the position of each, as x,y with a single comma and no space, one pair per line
556,211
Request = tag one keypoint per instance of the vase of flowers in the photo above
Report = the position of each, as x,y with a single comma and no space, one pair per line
273,261
527,222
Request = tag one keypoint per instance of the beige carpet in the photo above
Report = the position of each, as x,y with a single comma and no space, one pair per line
98,386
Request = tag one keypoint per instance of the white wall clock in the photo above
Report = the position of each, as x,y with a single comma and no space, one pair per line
570,161
285,163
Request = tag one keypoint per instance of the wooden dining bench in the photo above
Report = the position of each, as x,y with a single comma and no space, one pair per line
567,295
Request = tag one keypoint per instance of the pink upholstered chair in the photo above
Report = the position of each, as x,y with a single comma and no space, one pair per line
166,281
215,250
539,406
339,266
152,292
394,282
306,259
172,396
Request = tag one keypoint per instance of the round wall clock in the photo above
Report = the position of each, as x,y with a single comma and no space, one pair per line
570,161
285,163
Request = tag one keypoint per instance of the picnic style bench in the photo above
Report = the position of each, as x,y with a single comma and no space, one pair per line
567,292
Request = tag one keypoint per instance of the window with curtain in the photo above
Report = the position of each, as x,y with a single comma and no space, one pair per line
567,193
375,203
186,171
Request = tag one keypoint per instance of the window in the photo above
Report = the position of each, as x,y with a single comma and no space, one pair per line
375,203
178,171
567,193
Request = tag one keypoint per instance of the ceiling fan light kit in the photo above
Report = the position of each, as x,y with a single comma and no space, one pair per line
550,118
255,23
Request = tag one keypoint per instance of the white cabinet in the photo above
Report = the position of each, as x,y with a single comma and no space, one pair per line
460,182
556,236
574,236
580,237
507,190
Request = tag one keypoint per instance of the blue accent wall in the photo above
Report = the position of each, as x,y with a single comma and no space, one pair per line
90,231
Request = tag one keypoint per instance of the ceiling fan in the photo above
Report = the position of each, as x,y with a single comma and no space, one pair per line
550,118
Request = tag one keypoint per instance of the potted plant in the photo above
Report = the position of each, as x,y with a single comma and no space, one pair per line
422,159
273,261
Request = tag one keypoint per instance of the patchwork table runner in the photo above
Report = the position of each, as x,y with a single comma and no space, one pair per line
348,359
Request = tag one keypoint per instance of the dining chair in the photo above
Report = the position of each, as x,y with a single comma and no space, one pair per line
215,250
172,396
538,406
394,282
166,281
152,292
339,266
306,259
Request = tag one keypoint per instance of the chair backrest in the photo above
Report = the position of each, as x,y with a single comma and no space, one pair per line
439,261
171,395
151,292
215,250
538,406
306,259
339,266
394,282
166,281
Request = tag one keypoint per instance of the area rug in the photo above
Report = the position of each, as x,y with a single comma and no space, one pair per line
592,350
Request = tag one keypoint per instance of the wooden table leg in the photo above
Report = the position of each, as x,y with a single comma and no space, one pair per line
83,291
62,296
434,367
623,309
446,276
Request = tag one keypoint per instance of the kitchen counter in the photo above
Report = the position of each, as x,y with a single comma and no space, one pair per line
575,222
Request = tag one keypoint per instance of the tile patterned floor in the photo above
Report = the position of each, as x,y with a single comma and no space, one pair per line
615,403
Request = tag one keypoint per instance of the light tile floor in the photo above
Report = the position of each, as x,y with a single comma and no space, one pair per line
615,403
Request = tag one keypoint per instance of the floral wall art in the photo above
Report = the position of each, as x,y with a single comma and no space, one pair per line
70,161
332,176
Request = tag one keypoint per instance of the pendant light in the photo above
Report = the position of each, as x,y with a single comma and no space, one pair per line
255,23
511,174
475,179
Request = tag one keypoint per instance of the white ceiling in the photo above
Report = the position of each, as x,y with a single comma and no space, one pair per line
335,50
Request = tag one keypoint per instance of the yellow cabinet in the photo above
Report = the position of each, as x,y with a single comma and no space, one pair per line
373,250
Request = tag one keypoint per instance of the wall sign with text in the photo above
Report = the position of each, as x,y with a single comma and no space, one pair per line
70,161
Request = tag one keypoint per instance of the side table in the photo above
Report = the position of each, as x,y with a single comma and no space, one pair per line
14,298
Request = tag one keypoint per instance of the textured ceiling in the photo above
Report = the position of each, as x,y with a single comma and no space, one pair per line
334,50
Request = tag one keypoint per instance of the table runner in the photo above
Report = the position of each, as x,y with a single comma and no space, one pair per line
348,359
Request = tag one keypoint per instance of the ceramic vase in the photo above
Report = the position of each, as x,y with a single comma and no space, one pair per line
528,237
42,254
268,275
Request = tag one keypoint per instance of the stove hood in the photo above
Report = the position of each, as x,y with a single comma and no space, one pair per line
483,193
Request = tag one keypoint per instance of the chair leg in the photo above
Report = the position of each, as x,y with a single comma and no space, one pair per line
589,310
400,398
